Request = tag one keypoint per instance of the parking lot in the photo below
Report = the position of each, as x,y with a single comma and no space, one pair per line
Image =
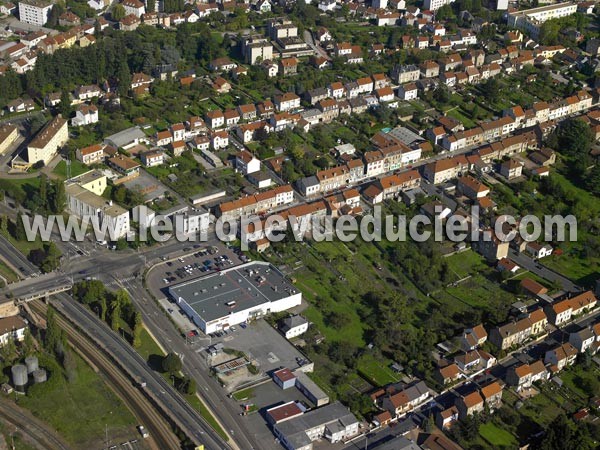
203,261
199,260
262,342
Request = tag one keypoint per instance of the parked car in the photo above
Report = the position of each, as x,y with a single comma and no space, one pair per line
143,431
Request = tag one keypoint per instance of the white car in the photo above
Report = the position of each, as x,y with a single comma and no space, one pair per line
143,431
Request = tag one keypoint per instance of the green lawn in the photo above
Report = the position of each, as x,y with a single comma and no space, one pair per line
476,291
8,273
79,410
466,263
583,383
460,116
573,266
497,436
24,183
243,394
77,168
148,346
376,372
540,409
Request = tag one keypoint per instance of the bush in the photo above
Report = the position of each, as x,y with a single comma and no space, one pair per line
171,363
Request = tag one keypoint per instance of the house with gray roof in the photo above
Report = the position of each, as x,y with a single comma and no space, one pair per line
333,422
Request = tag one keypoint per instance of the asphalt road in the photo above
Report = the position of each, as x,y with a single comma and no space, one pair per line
16,258
95,261
45,282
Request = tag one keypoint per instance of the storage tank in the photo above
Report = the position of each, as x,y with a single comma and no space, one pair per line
32,364
19,376
39,376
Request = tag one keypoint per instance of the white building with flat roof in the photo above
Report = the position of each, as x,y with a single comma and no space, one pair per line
35,12
84,202
143,216
94,181
232,296
433,5
531,20
193,221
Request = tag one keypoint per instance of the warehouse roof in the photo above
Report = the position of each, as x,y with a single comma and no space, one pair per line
233,290
125,137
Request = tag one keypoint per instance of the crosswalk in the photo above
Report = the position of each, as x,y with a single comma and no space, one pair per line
119,281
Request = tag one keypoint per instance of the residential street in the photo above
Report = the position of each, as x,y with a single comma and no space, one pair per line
528,263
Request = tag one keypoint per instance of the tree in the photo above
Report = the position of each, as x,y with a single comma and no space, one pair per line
150,5
487,32
28,342
53,335
124,77
137,329
118,12
190,388
491,90
115,316
59,198
70,366
52,257
549,32
37,256
19,230
592,180
441,94
122,244
171,364
64,107
575,138
4,225
103,308
558,434
54,14
343,353
90,291
43,191
8,352
445,12
338,319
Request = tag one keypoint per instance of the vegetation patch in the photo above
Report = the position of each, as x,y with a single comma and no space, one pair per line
80,408
497,436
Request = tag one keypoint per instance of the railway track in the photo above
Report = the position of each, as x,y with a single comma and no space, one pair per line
162,436
36,431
